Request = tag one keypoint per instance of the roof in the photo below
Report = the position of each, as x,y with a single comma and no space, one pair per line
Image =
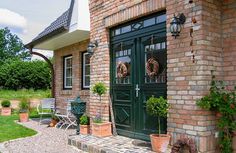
60,25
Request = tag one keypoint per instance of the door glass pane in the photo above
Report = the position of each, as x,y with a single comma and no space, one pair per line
123,66
155,63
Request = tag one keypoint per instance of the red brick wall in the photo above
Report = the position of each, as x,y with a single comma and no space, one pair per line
187,81
62,95
229,41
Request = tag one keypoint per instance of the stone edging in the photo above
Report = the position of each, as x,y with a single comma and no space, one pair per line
2,145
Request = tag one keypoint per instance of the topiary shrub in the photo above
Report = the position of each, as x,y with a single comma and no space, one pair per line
5,103
99,89
157,107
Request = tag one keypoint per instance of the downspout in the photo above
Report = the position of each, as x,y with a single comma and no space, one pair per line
51,67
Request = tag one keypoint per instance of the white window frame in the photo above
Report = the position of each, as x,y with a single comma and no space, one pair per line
65,68
84,64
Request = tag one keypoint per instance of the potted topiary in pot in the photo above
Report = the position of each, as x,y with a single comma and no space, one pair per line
6,110
23,110
99,127
158,107
84,124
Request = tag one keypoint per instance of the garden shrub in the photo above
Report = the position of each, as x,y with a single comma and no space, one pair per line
17,74
6,103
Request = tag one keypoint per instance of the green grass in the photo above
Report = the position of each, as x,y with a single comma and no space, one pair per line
10,130
19,94
34,114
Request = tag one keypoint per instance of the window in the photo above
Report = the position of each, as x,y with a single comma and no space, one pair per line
143,23
86,71
67,72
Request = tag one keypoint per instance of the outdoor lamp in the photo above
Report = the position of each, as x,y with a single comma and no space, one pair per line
176,24
91,47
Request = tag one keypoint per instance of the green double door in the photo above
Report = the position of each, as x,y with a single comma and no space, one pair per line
138,65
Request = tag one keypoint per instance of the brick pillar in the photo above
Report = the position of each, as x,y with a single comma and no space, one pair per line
100,61
188,81
229,41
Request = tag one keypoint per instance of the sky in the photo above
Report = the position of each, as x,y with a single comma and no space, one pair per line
27,18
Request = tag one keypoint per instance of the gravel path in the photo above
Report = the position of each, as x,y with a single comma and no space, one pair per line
48,140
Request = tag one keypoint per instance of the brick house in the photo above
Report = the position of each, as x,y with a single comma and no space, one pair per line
132,32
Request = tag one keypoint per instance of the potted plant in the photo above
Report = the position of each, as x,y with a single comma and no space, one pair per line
99,127
158,107
23,110
6,110
84,124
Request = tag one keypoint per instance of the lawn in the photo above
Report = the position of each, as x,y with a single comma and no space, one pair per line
9,129
24,93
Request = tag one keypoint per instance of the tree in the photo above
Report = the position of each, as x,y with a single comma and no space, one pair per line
11,46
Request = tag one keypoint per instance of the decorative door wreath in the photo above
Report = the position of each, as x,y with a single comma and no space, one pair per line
184,142
122,70
152,67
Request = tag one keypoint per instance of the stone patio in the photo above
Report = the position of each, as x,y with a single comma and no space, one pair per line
113,144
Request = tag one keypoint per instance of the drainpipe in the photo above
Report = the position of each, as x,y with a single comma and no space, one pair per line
51,67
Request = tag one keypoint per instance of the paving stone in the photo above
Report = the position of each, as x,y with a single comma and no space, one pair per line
48,140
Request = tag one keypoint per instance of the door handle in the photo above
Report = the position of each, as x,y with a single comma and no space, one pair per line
137,90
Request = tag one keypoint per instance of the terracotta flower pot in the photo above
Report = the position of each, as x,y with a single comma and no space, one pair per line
24,117
101,129
53,123
84,129
6,111
160,143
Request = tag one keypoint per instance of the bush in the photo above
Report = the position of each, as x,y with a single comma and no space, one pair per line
17,74
84,120
100,89
6,103
157,107
24,105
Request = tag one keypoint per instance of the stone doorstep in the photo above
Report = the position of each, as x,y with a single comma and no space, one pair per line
113,144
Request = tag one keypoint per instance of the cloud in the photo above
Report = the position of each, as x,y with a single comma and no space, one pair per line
14,21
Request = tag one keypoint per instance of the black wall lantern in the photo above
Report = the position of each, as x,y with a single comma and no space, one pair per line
176,24
91,47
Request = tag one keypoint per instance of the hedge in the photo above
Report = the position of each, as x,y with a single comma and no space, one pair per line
17,74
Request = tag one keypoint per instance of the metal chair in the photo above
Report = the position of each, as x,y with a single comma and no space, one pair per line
67,119
46,107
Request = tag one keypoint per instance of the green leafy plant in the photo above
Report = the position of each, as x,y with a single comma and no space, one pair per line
24,105
84,120
99,89
157,107
6,103
223,101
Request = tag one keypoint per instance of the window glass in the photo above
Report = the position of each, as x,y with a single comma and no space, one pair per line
68,72
149,22
86,70
161,18
126,29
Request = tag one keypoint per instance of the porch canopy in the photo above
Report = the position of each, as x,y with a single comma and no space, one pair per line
71,27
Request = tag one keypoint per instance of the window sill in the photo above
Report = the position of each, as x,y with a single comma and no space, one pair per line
66,92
